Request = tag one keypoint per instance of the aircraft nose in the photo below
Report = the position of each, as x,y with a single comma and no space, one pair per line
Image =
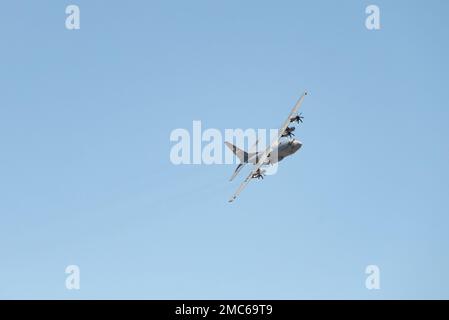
297,144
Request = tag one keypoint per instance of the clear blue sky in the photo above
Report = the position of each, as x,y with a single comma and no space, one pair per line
85,176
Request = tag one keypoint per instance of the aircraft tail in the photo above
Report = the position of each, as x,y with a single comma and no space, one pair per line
242,155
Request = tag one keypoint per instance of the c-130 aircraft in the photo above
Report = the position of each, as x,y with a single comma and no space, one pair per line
277,151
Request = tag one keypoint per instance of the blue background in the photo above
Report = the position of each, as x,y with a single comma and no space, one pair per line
86,179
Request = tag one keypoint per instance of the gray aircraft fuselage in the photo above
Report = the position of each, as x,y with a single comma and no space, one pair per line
281,151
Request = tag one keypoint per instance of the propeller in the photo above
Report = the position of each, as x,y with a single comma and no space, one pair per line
289,132
258,174
298,118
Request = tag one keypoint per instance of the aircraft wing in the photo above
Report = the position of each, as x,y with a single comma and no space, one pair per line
267,152
292,113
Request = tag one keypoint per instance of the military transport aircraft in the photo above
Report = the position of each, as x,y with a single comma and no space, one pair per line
277,151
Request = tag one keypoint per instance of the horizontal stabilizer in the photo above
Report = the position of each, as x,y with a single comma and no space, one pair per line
237,170
242,155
